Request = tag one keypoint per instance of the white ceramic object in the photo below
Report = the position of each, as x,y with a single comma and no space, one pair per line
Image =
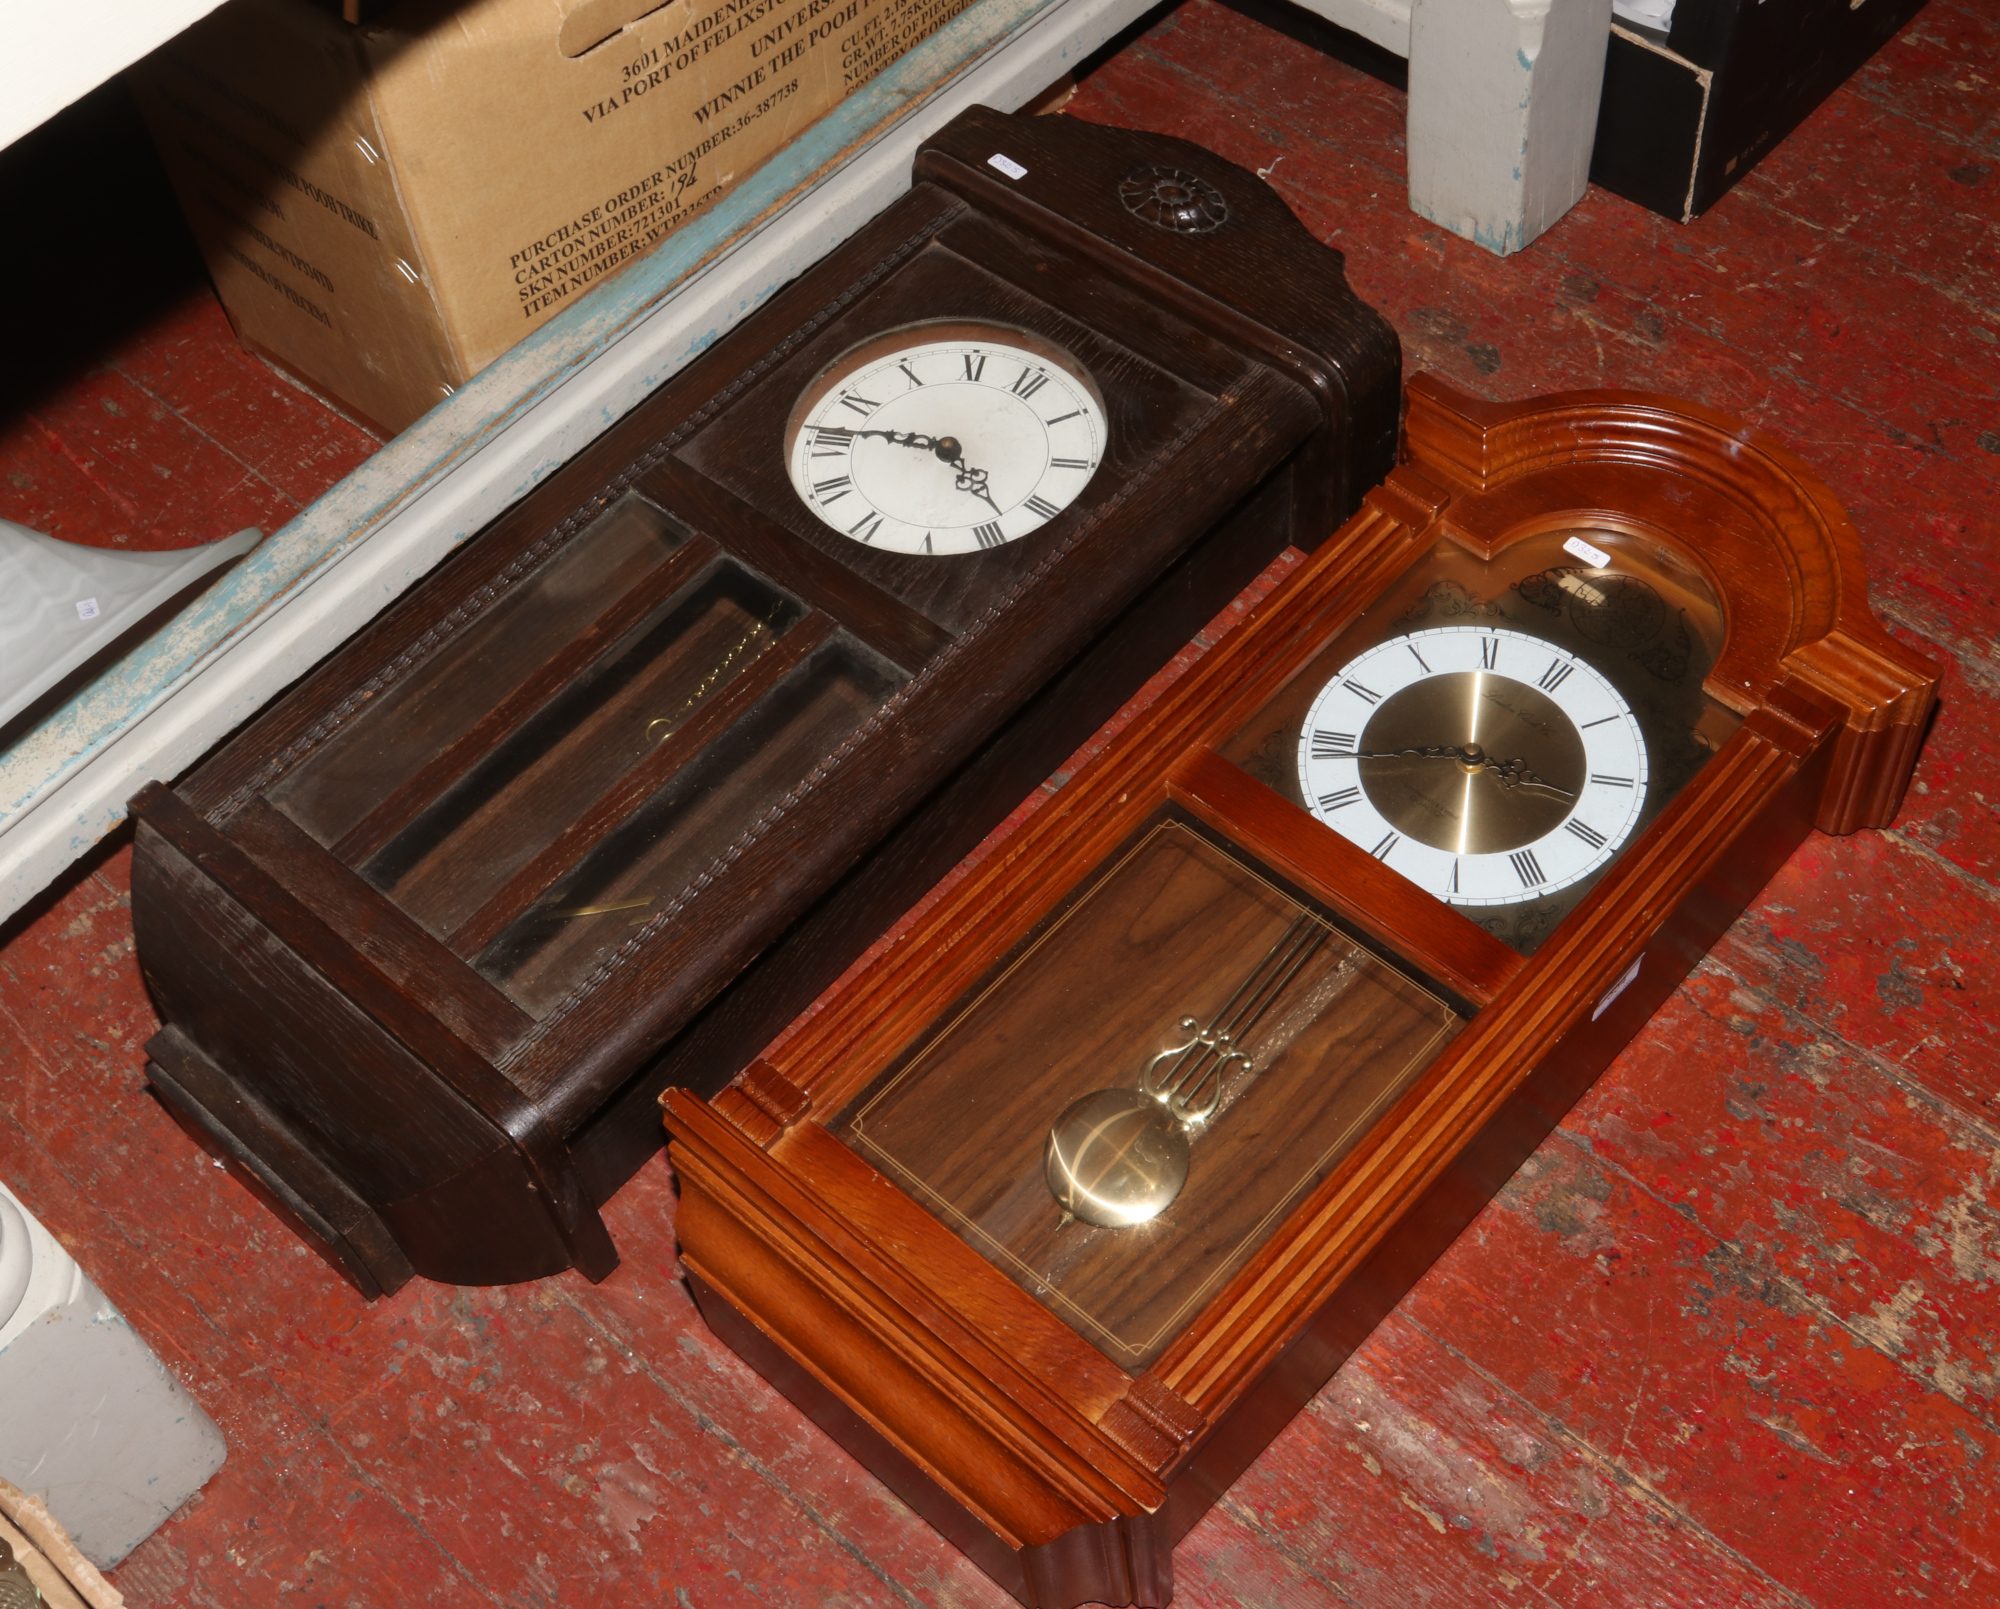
90,1420
60,602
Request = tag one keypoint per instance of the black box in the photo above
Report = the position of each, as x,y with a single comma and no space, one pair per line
1688,112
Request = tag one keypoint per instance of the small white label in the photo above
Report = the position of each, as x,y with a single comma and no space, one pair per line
1597,558
1007,165
86,609
1624,982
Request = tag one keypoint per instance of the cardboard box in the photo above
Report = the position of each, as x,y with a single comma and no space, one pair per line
1693,103
387,208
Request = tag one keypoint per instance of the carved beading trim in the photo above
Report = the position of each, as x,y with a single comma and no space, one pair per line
475,603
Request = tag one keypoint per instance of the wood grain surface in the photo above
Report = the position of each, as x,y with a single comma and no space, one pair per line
1726,1340
1168,934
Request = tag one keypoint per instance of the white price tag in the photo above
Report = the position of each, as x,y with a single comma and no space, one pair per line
1624,982
1595,557
1007,165
86,609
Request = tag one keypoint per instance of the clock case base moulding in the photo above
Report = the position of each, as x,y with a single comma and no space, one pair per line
1065,1476
362,1017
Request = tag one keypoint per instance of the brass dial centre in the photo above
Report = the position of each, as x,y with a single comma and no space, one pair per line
1472,762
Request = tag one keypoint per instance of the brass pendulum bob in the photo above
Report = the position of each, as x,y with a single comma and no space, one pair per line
1119,1157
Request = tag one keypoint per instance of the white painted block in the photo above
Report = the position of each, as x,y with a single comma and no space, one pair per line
52,54
1380,22
1503,113
90,1420
62,602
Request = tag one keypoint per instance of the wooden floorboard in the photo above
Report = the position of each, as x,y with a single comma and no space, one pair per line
1732,1336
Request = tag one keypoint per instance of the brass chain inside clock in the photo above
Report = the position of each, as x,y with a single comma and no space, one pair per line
761,635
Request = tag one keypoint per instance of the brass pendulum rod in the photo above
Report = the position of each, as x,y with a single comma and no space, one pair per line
1201,1061
1119,1157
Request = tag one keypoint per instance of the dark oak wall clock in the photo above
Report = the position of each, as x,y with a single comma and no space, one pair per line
1062,1205
625,784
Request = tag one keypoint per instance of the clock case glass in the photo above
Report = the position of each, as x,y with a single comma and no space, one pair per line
1173,925
945,438
1648,621
652,759
1171,931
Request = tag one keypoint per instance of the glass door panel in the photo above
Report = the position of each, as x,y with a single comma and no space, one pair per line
1123,1116
404,725
721,794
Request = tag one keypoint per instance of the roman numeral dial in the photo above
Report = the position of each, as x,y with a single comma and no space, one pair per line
1487,766
946,440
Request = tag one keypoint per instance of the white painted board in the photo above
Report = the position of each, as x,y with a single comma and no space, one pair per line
1380,22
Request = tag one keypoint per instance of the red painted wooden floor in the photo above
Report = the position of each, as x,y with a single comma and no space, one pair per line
1732,1336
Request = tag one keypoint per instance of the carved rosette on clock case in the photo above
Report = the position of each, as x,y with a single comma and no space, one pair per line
1059,1208
616,792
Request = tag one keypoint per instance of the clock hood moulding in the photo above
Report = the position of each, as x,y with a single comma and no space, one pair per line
1797,584
864,1213
618,790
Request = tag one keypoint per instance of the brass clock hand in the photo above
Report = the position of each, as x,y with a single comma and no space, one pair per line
1516,774
1512,774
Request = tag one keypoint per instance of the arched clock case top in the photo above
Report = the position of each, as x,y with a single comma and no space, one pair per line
621,787
937,1214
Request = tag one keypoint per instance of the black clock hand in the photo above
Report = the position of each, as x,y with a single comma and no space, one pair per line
967,479
1439,753
908,438
948,450
974,481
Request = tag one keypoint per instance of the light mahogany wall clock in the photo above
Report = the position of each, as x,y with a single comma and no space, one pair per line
1059,1208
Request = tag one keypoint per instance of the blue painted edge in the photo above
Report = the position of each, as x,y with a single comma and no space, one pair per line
507,388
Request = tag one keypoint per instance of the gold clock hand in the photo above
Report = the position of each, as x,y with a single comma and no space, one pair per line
1437,753
1514,773
1517,774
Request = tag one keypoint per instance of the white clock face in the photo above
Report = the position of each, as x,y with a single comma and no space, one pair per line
1487,766
946,444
